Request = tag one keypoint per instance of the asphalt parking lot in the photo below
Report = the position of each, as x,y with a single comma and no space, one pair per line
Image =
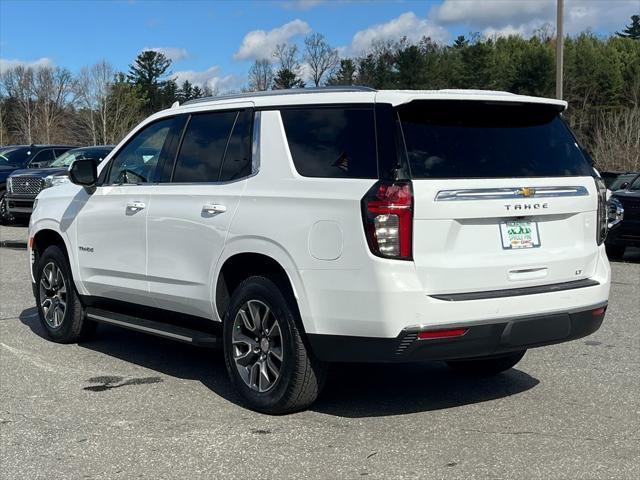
125,405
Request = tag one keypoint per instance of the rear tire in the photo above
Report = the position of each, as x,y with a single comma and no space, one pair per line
61,313
615,252
486,366
266,357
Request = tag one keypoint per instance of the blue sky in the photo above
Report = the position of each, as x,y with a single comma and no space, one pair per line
215,42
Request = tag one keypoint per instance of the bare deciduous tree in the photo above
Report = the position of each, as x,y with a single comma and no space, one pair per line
53,89
92,90
616,140
260,75
17,82
287,56
321,57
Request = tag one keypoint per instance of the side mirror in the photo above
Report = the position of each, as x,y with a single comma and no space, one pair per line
84,172
623,186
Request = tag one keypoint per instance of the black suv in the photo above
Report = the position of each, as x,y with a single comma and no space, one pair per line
23,186
15,157
627,233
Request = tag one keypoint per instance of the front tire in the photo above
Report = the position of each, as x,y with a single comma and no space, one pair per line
61,313
486,366
266,357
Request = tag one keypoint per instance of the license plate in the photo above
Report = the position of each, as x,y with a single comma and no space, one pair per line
519,234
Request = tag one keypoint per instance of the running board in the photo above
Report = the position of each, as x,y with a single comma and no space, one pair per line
160,329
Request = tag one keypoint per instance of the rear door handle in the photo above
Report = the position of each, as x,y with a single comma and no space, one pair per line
135,206
212,208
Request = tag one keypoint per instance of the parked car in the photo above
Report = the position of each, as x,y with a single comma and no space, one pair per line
627,233
620,180
16,157
303,227
24,185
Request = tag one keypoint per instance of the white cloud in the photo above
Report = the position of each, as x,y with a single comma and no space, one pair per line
489,13
406,25
524,30
525,16
7,64
259,44
172,53
211,77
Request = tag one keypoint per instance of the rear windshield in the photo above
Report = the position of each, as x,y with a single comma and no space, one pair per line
480,140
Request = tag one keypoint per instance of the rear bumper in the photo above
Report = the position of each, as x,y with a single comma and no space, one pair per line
481,339
20,204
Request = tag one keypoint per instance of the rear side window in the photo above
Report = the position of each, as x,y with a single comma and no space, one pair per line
332,142
237,160
479,140
203,147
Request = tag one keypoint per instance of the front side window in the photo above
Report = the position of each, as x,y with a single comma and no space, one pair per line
137,161
332,142
67,158
635,186
203,147
44,158
60,151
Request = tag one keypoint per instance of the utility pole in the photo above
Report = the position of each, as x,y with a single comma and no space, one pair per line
559,48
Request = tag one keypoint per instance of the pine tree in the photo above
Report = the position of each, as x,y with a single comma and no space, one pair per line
460,42
286,78
146,73
186,91
345,74
197,92
632,30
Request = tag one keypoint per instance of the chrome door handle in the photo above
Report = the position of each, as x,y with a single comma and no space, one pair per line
213,208
135,206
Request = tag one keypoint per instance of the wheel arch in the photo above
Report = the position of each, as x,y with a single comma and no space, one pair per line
44,235
240,263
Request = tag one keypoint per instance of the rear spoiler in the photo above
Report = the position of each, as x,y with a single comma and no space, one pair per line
397,98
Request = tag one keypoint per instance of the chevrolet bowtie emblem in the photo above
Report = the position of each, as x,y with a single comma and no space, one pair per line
526,191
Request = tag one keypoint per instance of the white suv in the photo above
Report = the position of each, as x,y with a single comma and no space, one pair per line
303,227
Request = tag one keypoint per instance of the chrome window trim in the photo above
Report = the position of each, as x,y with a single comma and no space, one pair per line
509,193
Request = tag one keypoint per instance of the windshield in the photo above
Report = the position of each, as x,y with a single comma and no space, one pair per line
14,157
480,140
620,180
67,158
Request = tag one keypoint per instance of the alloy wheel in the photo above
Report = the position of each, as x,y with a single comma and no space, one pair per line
53,295
257,346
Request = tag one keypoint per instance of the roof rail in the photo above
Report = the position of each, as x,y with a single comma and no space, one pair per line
289,91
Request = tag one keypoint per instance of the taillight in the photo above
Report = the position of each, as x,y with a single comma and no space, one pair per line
602,224
387,211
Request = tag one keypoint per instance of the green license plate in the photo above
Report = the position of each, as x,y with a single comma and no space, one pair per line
519,234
